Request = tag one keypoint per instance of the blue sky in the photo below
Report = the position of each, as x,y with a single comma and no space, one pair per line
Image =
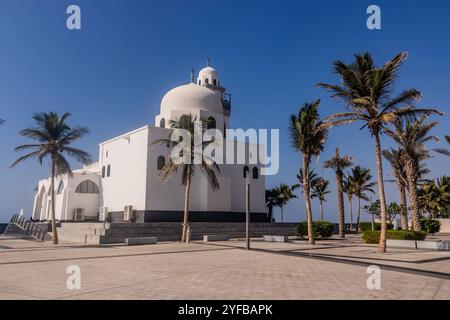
112,74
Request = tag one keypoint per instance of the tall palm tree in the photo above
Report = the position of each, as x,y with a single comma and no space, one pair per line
411,136
272,201
53,137
338,164
367,91
319,191
308,134
187,168
313,178
347,187
285,194
362,184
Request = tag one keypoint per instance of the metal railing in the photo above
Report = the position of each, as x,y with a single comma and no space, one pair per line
31,228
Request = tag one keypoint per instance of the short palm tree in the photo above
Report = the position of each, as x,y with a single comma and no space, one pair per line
395,158
285,194
367,91
347,187
434,197
308,134
187,168
338,164
53,137
319,191
362,184
411,136
271,202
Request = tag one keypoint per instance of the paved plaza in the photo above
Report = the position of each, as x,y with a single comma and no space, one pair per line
332,269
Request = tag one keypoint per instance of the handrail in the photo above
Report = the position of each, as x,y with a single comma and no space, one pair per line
30,227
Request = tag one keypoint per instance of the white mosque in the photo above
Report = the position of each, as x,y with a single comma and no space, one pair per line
125,184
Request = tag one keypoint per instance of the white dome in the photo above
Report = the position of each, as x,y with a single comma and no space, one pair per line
191,97
208,72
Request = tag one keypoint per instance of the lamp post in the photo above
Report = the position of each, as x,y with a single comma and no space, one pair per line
247,209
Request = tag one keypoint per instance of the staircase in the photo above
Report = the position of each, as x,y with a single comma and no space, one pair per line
20,225
109,233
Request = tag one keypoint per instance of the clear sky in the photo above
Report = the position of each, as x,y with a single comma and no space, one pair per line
112,74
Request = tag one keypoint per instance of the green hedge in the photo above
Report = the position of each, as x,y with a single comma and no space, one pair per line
367,226
374,236
321,229
430,225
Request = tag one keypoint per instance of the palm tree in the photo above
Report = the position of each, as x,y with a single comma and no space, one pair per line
434,197
284,195
308,134
411,136
361,181
367,91
338,164
2,121
53,136
395,158
313,178
319,190
271,202
187,166
347,188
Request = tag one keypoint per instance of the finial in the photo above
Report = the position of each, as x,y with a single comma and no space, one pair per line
192,76
208,64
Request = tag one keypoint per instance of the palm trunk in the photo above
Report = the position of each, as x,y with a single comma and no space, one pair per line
52,188
350,207
402,192
269,214
281,207
383,231
359,214
412,190
186,206
321,210
306,186
341,210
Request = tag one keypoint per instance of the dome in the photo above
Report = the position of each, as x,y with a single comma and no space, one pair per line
208,72
191,97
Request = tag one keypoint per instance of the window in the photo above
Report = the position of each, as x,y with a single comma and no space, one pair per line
60,188
161,162
199,82
255,173
206,80
162,123
224,130
107,153
246,170
108,170
103,171
214,82
211,123
87,186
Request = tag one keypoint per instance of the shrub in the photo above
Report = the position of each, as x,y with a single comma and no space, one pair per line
321,229
430,225
367,226
374,236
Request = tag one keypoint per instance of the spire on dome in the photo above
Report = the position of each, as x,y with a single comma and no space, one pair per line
192,76
208,64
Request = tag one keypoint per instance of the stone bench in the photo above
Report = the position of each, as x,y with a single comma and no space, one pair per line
410,244
215,237
141,240
272,238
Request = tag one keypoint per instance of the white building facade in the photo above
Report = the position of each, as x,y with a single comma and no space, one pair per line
127,172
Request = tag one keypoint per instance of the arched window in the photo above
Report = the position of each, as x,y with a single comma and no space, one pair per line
214,82
245,171
108,170
60,188
161,162
162,123
199,82
87,186
206,80
103,171
255,173
211,123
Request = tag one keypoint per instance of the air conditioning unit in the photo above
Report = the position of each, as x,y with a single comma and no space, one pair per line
78,214
103,214
127,213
